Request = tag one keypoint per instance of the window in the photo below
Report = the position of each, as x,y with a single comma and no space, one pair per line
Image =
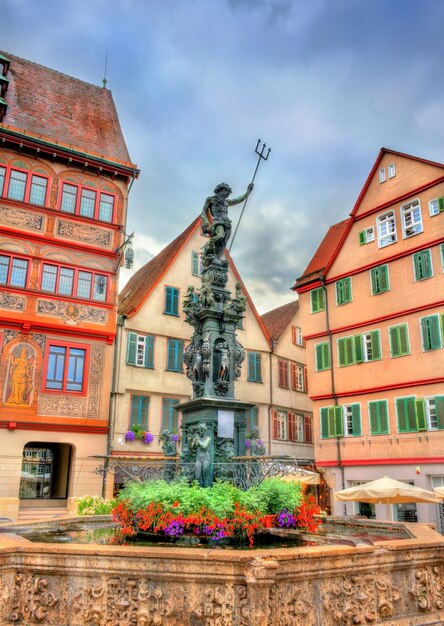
297,377
411,415
13,271
174,356
252,418
65,368
391,170
296,336
367,235
254,367
382,175
295,427
343,291
67,281
139,411
422,264
140,350
359,348
195,263
171,301
308,429
371,346
87,202
379,278
434,408
386,229
332,423
23,186
399,340
411,219
351,414
378,415
442,256
279,425
283,373
431,333
436,205
317,300
322,356
170,417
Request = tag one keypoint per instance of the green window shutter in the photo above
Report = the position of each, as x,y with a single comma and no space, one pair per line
321,300
338,421
421,420
439,406
347,289
195,263
325,433
171,301
406,412
131,352
253,418
423,264
383,278
327,356
322,355
362,237
149,351
404,339
341,352
378,417
359,356
169,414
376,345
356,414
441,204
139,411
317,300
251,366
175,352
431,339
395,348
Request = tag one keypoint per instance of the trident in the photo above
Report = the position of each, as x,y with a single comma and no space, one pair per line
261,157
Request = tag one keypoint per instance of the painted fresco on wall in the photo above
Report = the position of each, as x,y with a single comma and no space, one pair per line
19,386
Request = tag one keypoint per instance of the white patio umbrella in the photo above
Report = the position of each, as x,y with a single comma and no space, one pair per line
439,492
387,491
302,476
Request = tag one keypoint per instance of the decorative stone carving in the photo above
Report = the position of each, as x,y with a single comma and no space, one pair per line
217,606
95,379
291,605
86,234
61,405
360,599
9,335
8,301
428,589
32,601
15,246
72,314
40,340
21,219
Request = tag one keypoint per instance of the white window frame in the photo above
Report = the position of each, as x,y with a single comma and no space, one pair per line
416,227
387,229
347,416
391,170
382,175
433,207
281,426
369,234
367,346
299,427
430,406
299,340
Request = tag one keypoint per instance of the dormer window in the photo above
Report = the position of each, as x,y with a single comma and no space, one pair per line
382,175
391,170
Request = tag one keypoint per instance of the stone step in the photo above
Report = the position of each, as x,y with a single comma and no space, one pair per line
28,515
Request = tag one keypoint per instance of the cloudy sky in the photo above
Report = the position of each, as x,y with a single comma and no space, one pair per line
325,83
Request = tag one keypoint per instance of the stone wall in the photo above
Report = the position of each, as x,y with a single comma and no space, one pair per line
393,583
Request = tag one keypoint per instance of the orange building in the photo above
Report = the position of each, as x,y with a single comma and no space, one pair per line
372,300
65,174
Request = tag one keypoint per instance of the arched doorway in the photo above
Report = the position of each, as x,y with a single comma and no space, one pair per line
45,474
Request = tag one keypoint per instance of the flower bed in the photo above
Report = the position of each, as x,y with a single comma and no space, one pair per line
216,512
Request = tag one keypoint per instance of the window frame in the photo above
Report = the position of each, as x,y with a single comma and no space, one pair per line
367,235
439,412
439,322
374,276
297,376
416,227
11,258
325,356
254,370
439,206
195,263
317,304
169,414
172,295
78,201
391,170
379,418
133,352
68,346
382,220
178,362
143,416
382,175
283,374
397,330
421,261
75,282
344,288
355,417
4,191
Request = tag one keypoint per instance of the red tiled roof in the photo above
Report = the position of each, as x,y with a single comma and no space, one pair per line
138,288
277,320
60,108
324,253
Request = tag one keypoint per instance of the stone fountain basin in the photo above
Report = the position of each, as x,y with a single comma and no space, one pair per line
396,582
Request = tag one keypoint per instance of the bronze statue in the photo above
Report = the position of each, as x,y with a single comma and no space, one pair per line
201,443
219,229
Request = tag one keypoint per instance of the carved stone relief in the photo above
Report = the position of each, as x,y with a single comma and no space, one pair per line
72,314
291,604
62,405
87,234
33,600
428,589
217,606
8,301
9,335
21,219
14,246
95,379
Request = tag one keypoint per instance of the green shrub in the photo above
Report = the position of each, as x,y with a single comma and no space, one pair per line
277,494
94,505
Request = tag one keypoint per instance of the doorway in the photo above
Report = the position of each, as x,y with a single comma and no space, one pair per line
45,474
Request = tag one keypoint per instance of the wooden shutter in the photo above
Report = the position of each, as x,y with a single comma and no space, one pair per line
149,351
336,422
134,412
325,431
195,263
394,341
305,380
430,332
376,346
291,426
251,367
359,354
131,352
308,429
406,412
404,339
362,237
421,421
356,416
294,376
441,204
175,353
383,278
275,424
439,406
322,356
341,352
373,409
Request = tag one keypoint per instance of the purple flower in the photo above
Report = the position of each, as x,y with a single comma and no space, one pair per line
285,519
174,528
247,443
175,437
148,438
130,435
260,442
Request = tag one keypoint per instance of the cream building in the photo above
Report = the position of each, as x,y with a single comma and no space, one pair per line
149,376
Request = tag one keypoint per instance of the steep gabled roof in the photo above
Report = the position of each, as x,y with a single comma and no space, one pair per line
324,254
55,107
139,286
277,320
382,152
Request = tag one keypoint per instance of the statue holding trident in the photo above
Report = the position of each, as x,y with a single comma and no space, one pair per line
219,229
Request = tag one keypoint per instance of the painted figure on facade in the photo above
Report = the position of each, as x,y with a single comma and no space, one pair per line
219,229
20,376
201,443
